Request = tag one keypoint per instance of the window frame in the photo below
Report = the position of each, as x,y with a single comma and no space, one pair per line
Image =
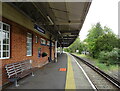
48,43
30,44
53,44
7,50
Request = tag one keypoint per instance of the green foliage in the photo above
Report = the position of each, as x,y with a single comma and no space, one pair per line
118,43
44,54
101,43
114,56
103,56
101,39
67,50
77,45
97,63
106,42
92,37
111,57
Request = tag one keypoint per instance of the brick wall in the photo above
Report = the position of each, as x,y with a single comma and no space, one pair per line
18,50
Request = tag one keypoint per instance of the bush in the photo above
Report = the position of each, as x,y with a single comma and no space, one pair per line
114,55
103,56
111,57
44,54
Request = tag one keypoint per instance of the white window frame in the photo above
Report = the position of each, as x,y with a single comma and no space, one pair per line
29,38
48,43
53,44
2,41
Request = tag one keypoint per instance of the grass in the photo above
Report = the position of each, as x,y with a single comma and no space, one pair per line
101,66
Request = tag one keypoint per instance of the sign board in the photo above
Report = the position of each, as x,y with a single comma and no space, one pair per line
77,51
39,29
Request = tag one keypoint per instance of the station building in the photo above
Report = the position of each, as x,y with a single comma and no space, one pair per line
22,40
29,30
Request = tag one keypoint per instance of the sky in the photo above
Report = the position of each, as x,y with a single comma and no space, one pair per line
103,11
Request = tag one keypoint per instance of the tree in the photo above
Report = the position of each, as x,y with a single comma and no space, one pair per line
92,37
118,43
101,39
106,42
77,45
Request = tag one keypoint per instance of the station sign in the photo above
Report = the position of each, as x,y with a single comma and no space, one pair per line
39,29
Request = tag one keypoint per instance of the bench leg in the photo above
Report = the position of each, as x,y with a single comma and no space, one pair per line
33,74
16,83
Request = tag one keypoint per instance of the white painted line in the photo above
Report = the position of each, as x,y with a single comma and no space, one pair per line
84,74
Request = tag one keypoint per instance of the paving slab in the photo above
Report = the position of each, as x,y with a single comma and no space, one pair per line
48,77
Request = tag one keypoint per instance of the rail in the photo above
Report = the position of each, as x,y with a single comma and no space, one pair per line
106,76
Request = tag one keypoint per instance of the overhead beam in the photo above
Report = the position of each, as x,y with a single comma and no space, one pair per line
68,39
74,33
66,23
59,10
69,31
69,36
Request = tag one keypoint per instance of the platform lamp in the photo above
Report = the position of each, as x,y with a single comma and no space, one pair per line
50,20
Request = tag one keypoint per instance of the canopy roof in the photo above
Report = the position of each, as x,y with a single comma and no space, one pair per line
63,20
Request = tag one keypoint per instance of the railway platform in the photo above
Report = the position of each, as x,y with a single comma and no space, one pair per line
67,73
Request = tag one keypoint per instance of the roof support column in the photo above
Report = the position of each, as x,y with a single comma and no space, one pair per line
61,49
55,51
50,58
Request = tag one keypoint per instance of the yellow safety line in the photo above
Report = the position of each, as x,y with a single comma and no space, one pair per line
70,82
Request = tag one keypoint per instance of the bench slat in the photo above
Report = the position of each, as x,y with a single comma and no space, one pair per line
19,69
10,69
11,75
11,72
9,66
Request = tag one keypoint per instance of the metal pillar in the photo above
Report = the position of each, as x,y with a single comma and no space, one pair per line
60,49
16,83
55,51
50,58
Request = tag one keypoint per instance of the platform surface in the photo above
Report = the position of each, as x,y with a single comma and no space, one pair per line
65,74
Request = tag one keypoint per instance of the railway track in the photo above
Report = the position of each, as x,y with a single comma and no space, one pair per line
100,79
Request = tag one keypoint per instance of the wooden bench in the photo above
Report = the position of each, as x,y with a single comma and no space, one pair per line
19,70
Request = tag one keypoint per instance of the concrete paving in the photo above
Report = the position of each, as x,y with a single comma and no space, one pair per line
80,79
48,77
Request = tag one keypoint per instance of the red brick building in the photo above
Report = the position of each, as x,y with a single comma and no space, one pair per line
19,40
28,29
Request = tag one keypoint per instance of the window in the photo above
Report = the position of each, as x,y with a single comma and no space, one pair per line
4,40
52,44
43,41
48,43
29,44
